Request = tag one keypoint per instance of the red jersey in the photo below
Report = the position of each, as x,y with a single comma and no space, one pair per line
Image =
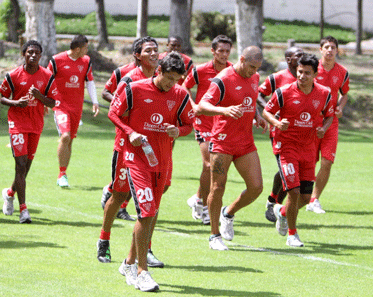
134,75
229,88
29,119
275,81
303,112
187,62
70,78
337,79
113,82
149,110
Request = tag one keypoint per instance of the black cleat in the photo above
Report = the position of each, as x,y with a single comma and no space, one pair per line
270,215
153,261
123,214
103,251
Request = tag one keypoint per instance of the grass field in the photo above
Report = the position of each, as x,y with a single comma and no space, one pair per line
56,254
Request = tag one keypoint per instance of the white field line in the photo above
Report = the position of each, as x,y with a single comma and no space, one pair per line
307,257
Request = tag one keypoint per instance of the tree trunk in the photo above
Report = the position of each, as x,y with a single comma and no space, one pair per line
249,23
321,19
103,40
180,19
142,18
13,24
40,26
359,28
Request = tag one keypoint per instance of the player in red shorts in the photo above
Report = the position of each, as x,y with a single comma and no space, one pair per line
306,112
146,52
271,83
231,98
157,110
72,69
31,87
335,76
202,76
175,43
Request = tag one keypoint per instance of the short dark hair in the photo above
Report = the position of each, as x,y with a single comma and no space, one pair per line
178,38
291,50
30,43
78,41
328,39
309,59
222,39
137,46
173,62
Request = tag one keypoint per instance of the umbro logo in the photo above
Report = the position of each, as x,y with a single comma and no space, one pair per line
210,79
67,67
296,102
148,100
23,83
319,77
238,88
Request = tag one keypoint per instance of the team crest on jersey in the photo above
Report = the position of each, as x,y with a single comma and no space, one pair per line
254,86
170,104
80,67
315,103
40,84
335,79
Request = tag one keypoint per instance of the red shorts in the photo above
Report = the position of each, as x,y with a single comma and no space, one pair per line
146,190
327,145
235,151
67,122
119,173
202,128
24,144
294,168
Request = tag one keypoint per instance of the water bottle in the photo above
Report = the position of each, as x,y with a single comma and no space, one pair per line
149,153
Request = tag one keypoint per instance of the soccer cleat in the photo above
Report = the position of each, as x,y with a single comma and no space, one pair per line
205,216
153,261
281,223
62,182
105,196
197,207
270,216
294,241
103,251
315,206
145,283
216,243
123,214
226,226
129,271
24,217
8,207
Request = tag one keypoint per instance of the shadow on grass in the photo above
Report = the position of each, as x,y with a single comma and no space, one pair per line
353,213
13,244
48,222
217,269
212,292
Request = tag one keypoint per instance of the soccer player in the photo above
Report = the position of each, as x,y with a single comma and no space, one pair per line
335,76
146,51
175,43
306,112
32,87
271,83
202,76
231,98
71,69
156,110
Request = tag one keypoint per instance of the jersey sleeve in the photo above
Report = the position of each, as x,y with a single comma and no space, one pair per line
89,75
345,87
265,88
328,110
51,90
185,116
274,104
112,83
192,78
6,87
215,93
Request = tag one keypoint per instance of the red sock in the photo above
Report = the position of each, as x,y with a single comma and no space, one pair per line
62,171
109,188
22,207
274,196
104,235
150,245
292,231
312,199
283,211
124,205
10,192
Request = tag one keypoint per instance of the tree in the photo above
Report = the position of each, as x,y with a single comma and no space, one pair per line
359,28
180,19
249,23
142,18
13,23
321,19
40,27
103,40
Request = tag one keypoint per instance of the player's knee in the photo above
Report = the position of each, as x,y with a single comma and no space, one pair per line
65,138
206,167
326,164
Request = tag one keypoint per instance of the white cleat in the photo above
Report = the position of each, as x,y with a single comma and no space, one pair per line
217,243
129,271
24,217
145,283
8,207
315,206
281,222
62,182
205,216
226,226
196,205
294,241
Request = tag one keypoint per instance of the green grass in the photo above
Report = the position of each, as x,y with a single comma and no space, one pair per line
56,254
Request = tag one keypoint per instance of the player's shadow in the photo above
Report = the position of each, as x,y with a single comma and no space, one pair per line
190,290
215,268
353,213
331,226
46,222
83,188
21,244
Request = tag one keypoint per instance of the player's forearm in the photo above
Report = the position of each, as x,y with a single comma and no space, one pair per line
185,130
327,123
208,109
7,102
270,118
261,101
118,122
107,96
342,101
